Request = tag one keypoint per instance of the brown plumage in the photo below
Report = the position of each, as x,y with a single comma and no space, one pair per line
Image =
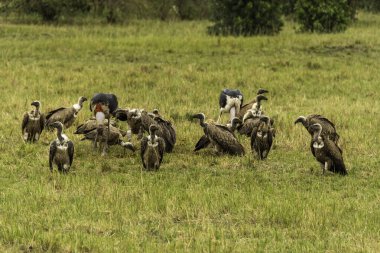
92,124
115,136
262,137
33,123
61,150
152,149
326,151
65,115
220,137
252,103
140,120
328,128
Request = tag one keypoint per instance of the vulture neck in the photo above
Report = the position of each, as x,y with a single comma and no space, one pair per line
37,111
153,136
59,134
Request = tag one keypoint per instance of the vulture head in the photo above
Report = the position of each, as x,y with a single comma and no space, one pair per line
301,119
79,105
264,127
36,104
201,117
261,91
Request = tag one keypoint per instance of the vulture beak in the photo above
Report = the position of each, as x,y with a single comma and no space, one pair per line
200,116
261,91
35,103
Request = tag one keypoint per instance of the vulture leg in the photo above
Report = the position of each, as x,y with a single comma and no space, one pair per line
107,138
232,113
220,115
325,167
95,144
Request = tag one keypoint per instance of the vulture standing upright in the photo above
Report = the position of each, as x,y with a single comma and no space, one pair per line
230,102
103,105
328,128
152,149
33,123
326,151
64,115
246,107
220,137
262,137
61,150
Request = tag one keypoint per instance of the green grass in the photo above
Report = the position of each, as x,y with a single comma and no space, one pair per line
196,202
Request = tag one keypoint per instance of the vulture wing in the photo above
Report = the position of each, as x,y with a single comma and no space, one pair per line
71,151
144,144
53,150
24,122
203,142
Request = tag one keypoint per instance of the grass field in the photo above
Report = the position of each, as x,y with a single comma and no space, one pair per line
196,202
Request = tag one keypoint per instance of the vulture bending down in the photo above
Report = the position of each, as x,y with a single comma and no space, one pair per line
152,149
328,128
33,123
64,115
140,121
326,151
220,137
61,150
115,136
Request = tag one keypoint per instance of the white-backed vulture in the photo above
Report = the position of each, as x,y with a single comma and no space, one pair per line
115,136
61,150
33,123
328,128
65,115
152,149
248,106
220,137
326,151
262,137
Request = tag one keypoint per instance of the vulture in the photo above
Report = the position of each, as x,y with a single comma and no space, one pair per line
64,115
328,128
90,125
256,109
219,137
140,121
230,102
61,150
251,104
33,123
205,142
152,149
133,118
262,137
168,130
326,151
115,136
103,105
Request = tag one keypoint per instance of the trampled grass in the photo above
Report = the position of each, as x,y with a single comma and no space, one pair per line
196,202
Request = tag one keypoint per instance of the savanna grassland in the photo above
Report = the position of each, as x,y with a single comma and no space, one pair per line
197,201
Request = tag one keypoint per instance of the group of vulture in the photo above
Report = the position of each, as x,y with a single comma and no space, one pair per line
101,130
158,136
